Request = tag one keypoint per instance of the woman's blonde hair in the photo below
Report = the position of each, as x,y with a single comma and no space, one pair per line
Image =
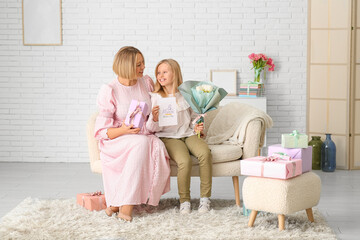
124,64
177,81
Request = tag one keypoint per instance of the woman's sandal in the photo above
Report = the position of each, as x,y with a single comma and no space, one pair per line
111,210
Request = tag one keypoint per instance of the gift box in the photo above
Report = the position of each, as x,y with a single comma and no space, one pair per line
91,201
246,212
137,114
305,154
294,140
251,89
271,167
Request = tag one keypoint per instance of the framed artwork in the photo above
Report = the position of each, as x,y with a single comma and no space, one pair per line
41,22
225,79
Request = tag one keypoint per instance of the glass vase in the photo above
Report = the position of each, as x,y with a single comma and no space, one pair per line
328,155
316,143
259,75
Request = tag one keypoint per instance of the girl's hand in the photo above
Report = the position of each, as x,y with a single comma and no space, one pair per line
128,129
199,128
155,113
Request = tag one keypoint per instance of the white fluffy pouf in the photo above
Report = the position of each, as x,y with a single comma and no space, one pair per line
63,219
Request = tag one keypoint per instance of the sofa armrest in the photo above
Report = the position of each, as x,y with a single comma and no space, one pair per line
252,139
94,152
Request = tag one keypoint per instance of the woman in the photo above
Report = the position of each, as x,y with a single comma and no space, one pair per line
135,164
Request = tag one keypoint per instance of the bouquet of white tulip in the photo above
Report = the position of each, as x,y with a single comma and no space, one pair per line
202,97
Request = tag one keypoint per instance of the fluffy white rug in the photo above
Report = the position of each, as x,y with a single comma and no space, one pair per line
63,219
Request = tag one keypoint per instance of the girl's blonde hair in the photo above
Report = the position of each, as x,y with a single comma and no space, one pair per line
124,64
177,81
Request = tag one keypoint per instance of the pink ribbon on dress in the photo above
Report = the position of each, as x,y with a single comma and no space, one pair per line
136,111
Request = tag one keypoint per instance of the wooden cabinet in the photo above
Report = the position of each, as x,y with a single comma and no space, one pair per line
333,76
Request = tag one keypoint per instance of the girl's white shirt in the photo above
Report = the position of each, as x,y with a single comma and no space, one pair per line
185,116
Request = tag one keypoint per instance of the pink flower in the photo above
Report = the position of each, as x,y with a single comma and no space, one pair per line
263,56
272,68
269,62
252,56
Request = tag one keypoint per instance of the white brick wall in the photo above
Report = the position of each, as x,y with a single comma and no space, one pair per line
48,92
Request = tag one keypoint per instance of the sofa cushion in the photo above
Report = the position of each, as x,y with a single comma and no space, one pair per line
220,153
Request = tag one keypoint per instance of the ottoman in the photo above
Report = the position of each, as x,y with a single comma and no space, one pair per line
281,196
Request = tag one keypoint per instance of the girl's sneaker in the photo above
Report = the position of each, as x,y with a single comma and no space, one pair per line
185,208
204,205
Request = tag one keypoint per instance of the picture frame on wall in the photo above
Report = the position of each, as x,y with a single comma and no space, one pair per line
42,22
225,79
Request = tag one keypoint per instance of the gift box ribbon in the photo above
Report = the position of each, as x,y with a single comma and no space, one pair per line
297,135
97,193
281,156
276,159
248,86
137,110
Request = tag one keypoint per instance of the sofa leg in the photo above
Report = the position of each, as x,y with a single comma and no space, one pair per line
253,215
281,220
236,189
310,214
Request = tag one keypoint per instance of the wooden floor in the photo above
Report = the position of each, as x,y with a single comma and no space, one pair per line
340,198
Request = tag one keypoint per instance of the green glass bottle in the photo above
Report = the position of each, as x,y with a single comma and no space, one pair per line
316,152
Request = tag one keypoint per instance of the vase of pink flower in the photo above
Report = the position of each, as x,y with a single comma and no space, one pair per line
260,62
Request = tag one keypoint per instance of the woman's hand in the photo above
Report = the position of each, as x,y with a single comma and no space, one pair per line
155,113
123,130
128,129
199,128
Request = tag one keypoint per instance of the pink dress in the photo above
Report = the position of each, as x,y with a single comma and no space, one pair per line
135,167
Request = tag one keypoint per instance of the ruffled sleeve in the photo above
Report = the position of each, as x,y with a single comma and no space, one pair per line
105,119
150,124
149,83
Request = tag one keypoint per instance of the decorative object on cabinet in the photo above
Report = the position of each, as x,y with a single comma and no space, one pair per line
225,79
260,62
41,22
328,154
316,152
252,89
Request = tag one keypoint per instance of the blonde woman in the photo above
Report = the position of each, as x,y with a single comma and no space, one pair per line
181,140
135,164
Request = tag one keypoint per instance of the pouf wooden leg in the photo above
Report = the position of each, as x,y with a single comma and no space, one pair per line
281,220
253,215
310,214
236,189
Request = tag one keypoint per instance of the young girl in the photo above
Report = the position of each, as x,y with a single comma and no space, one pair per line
181,140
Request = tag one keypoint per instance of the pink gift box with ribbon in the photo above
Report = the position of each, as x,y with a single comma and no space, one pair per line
271,167
305,154
137,114
91,201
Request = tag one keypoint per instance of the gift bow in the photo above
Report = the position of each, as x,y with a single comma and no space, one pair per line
97,193
136,111
295,133
282,156
273,158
